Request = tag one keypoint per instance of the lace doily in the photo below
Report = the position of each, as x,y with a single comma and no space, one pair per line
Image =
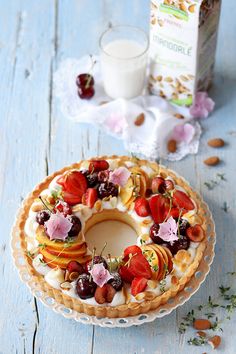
117,117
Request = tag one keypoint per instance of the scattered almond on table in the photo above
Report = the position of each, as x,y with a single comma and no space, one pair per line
179,116
212,161
214,341
172,145
139,119
216,143
202,324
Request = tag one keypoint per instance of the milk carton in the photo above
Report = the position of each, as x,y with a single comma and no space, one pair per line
183,39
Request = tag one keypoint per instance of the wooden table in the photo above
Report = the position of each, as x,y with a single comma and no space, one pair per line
36,140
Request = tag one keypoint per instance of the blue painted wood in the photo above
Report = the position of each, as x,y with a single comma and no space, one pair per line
36,139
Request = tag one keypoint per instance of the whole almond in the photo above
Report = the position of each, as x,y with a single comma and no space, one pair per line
216,143
202,324
183,7
201,334
179,116
212,161
214,341
140,119
191,8
172,145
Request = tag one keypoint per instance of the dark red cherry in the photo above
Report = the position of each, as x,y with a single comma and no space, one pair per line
84,80
96,260
85,286
153,234
76,225
42,216
85,93
116,281
107,189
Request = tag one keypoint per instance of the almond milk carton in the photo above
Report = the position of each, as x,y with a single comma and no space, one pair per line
182,47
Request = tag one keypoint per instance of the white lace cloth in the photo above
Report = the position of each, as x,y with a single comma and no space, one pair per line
117,117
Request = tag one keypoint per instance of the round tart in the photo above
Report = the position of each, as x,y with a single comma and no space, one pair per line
162,209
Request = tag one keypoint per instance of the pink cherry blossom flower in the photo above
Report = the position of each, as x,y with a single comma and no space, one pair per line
116,123
120,176
168,230
100,274
202,105
58,227
183,132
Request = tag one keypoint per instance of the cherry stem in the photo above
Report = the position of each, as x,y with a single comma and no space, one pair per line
93,255
109,257
179,221
90,71
105,245
50,210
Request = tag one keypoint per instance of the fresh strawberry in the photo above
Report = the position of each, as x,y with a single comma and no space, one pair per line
104,294
181,200
138,285
63,208
90,197
141,207
195,233
139,267
98,165
71,199
174,212
132,250
158,185
125,274
158,208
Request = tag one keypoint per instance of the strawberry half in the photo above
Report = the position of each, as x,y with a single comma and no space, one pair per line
181,200
98,165
139,267
71,199
141,207
74,185
157,205
90,197
138,285
125,274
132,250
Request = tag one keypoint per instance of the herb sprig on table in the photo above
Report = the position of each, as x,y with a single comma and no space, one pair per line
211,184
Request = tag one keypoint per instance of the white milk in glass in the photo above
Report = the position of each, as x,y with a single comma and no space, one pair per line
124,68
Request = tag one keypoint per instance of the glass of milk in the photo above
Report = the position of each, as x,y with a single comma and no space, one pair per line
124,61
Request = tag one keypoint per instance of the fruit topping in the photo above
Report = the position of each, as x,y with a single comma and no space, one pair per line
63,208
92,179
104,294
84,80
181,200
96,260
132,250
85,286
139,267
98,165
181,244
154,234
107,189
158,185
183,225
116,281
103,176
138,285
141,207
158,208
73,271
126,274
76,225
90,197
195,233
74,185
42,216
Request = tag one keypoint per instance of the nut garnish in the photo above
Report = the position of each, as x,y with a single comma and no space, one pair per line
202,324
139,119
212,161
216,143
66,285
214,341
179,116
172,145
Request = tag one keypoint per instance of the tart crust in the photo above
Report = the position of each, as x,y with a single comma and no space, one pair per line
131,308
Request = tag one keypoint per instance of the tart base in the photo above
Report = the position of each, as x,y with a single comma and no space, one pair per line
129,309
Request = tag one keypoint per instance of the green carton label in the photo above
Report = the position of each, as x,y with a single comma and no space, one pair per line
182,15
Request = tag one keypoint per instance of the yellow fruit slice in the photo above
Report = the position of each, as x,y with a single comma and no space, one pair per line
152,259
54,261
126,192
43,239
67,253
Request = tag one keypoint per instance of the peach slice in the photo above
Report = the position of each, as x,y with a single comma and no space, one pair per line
153,260
126,192
169,254
67,253
54,261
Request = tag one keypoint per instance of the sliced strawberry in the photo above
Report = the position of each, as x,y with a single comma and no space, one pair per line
90,197
139,267
71,199
158,185
98,165
132,250
158,207
138,285
73,182
195,233
104,294
141,207
125,274
181,200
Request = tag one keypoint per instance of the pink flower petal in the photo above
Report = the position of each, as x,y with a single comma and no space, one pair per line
120,176
183,132
116,123
202,105
168,230
58,227
100,274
